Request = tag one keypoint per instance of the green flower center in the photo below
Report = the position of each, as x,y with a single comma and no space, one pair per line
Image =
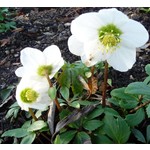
109,36
28,95
44,69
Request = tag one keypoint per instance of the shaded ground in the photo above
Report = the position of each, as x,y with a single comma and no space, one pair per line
39,28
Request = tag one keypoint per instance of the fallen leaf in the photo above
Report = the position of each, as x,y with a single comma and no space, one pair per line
92,83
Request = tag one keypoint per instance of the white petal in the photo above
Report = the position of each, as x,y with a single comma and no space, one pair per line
56,68
52,54
123,59
92,53
75,46
41,87
85,27
31,57
20,72
112,15
134,34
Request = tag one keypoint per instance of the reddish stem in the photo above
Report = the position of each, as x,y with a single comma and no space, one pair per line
105,85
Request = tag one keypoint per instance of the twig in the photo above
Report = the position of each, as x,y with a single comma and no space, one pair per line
138,107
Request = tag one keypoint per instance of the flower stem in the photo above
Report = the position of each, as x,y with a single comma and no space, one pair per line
32,114
56,100
105,85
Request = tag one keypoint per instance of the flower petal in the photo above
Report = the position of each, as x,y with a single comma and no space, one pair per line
52,54
122,59
20,72
31,57
92,53
112,15
56,67
134,34
75,46
85,27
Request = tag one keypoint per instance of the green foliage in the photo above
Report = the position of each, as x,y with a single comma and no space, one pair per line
140,137
6,22
136,118
117,129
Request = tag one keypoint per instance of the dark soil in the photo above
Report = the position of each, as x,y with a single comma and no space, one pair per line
41,27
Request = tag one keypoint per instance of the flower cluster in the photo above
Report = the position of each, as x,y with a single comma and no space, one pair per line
32,91
107,35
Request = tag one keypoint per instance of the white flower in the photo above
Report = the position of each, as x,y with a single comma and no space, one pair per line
37,63
33,94
107,35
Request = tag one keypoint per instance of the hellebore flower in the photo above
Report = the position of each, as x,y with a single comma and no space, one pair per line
32,94
107,35
37,64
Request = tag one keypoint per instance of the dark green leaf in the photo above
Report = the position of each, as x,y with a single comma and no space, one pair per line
148,134
91,125
136,118
65,78
138,134
5,93
147,80
77,87
67,136
95,113
148,111
138,88
37,125
110,111
120,93
26,124
18,133
101,139
117,129
64,92
82,138
28,139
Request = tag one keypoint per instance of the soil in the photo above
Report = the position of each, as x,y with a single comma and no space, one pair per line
42,27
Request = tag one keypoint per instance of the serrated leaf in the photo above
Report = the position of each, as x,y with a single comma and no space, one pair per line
65,78
67,136
28,139
91,125
138,134
37,125
110,111
136,118
77,87
148,111
101,139
138,88
117,129
18,133
64,92
95,113
82,138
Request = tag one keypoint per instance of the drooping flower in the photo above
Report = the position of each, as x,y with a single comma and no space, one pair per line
37,63
32,94
107,35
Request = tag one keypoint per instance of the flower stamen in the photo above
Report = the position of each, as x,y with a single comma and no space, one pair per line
28,95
